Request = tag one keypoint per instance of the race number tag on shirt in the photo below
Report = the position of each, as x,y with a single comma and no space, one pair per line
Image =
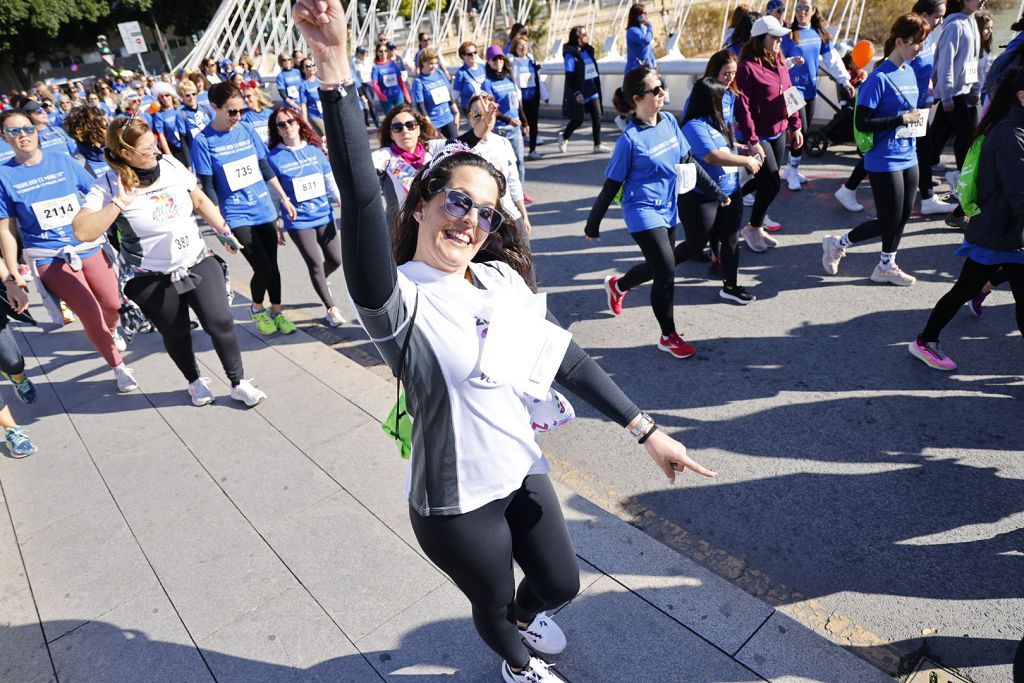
526,79
686,178
309,187
54,214
914,130
242,173
727,169
590,71
264,133
390,80
194,132
794,100
293,92
971,71
440,94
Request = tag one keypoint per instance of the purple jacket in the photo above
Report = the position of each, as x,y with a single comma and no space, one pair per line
761,107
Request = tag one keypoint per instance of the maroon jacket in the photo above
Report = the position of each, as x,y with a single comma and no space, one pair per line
761,108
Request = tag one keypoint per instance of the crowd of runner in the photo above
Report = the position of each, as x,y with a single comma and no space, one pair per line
100,186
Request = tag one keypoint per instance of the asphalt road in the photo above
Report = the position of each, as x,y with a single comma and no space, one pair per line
874,499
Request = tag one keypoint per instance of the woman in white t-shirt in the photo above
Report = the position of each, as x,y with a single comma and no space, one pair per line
167,264
483,111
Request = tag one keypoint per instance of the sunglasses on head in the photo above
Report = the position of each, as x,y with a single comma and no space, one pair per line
18,131
397,126
458,205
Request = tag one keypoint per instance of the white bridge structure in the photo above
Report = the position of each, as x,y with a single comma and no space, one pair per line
265,28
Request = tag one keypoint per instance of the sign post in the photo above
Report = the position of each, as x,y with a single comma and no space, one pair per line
134,42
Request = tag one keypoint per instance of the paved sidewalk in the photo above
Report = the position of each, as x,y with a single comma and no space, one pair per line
149,540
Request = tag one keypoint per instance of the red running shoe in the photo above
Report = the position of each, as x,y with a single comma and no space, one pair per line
615,297
677,346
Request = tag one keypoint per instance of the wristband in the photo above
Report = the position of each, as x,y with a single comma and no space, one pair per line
644,428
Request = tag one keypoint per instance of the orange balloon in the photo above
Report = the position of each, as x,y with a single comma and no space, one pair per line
154,107
863,53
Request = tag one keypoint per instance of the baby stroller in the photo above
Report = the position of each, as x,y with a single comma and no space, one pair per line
837,131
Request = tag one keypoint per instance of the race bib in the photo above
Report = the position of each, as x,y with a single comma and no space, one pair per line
390,80
686,178
727,169
440,94
309,187
181,243
194,132
914,130
54,214
794,100
242,173
526,79
590,71
971,71
513,102
264,133
293,92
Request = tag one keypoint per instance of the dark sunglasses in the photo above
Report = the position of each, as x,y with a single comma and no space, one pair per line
309,66
234,112
18,131
284,123
408,125
458,205
656,90
469,54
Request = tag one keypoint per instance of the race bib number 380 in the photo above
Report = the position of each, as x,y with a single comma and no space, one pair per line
54,214
242,173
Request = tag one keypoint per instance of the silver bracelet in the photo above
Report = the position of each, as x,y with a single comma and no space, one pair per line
643,428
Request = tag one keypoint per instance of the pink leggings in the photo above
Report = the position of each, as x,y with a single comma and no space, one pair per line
92,295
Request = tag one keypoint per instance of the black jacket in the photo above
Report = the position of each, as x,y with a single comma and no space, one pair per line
1000,225
576,81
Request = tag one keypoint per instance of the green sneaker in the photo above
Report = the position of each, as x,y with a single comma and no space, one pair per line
263,322
283,324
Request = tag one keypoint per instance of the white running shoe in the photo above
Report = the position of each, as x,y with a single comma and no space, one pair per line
892,275
125,377
748,200
769,241
754,238
563,144
534,156
537,671
245,392
601,149
793,180
119,343
831,254
334,317
543,635
769,224
848,199
199,392
934,205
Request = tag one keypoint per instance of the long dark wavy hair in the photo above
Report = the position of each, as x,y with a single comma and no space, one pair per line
706,103
505,244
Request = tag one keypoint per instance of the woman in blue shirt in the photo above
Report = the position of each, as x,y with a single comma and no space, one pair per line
639,38
288,81
470,76
432,95
192,116
711,141
165,123
582,92
257,110
887,109
87,126
651,164
230,160
526,72
388,81
309,96
499,84
301,167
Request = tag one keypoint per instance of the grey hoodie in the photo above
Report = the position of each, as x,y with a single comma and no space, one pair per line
959,44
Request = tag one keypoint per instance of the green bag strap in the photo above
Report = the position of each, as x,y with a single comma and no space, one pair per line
401,362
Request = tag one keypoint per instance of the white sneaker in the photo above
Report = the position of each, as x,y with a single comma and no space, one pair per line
245,392
601,149
952,178
769,241
199,392
769,224
848,198
563,144
892,275
934,205
831,254
754,238
543,635
125,377
793,180
748,199
334,317
537,671
119,343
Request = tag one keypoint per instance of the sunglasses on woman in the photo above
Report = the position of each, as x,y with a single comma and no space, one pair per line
18,131
656,90
397,126
458,205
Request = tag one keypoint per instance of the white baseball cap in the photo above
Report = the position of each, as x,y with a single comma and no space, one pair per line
768,24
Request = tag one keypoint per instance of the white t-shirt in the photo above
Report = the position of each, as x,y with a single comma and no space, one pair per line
161,235
498,150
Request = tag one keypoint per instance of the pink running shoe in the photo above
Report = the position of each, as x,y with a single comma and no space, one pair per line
975,303
931,355
527,199
615,297
677,346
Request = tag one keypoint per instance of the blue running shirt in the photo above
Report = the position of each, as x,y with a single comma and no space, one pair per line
232,158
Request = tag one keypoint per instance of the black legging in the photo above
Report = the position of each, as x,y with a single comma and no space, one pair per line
660,265
370,113
959,123
320,248
806,118
476,549
703,219
594,107
156,296
894,200
260,250
448,131
767,181
973,277
924,180
531,108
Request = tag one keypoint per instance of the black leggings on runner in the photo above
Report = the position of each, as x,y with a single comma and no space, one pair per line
959,124
594,107
531,108
703,219
924,164
972,278
476,549
767,181
156,296
260,250
660,265
894,200
320,248
806,119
